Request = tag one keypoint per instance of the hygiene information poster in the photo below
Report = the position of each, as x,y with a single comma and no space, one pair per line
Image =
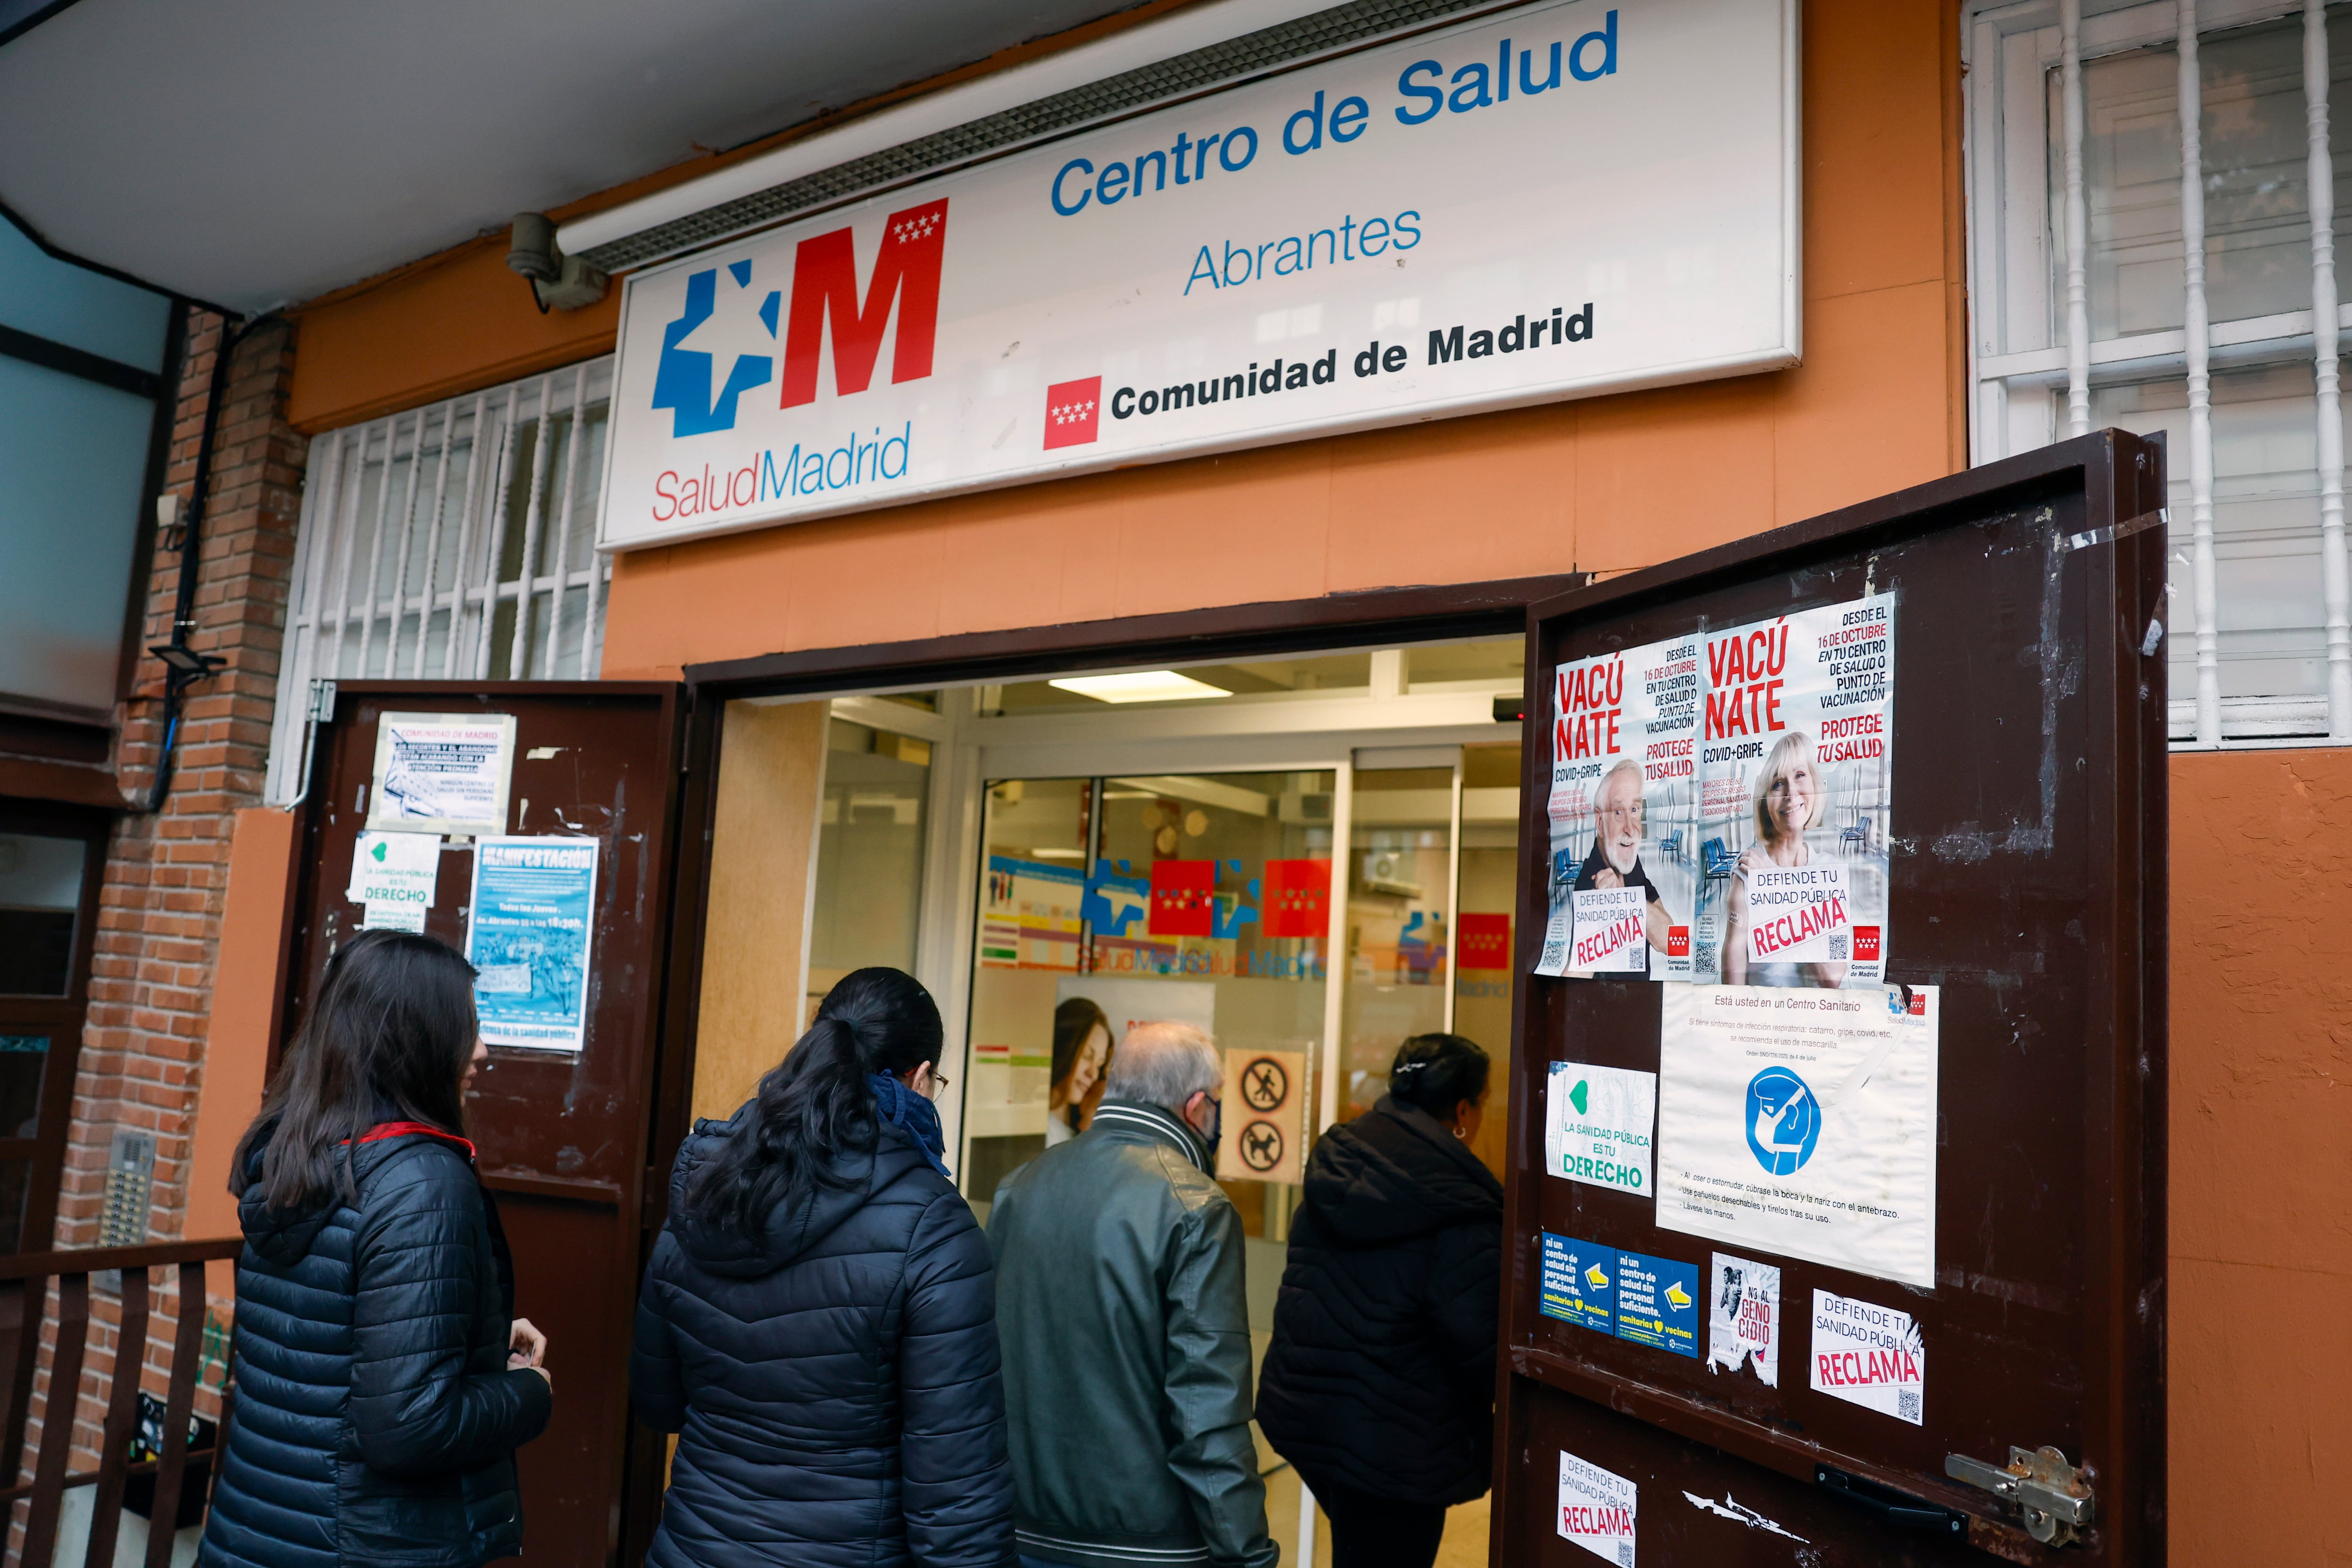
534,906
1598,1123
442,772
1621,807
1795,772
1803,1123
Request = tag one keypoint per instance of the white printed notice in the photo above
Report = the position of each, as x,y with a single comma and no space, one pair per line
534,908
442,772
1598,1510
1795,774
1869,1355
1622,806
1743,1326
391,878
1803,1123
1597,1123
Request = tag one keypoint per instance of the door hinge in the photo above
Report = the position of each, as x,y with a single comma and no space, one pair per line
322,702
2056,1501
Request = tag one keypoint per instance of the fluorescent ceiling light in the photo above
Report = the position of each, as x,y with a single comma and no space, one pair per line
1143,686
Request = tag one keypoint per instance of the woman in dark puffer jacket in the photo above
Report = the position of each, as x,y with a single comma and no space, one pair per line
1380,1380
818,1322
383,1380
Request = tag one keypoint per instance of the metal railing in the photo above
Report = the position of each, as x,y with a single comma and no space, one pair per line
51,1478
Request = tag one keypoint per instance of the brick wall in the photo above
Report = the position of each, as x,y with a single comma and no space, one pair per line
166,875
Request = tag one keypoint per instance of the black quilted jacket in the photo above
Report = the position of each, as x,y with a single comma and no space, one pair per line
834,1384
1380,1374
374,1420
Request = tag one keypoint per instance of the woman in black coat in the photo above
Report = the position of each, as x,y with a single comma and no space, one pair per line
818,1322
383,1380
1379,1384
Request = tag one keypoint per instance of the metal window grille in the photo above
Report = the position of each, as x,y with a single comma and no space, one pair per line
2156,188
452,541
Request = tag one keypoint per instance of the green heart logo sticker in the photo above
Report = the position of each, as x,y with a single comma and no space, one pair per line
1579,1096
380,846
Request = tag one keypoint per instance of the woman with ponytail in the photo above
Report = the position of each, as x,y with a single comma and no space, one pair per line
818,1322
383,1380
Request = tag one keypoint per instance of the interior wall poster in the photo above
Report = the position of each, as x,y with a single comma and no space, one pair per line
1802,1125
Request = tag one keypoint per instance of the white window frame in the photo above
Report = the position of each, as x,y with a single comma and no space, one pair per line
2032,360
329,592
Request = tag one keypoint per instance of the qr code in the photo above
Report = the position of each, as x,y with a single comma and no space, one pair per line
1838,945
1624,1554
1906,1405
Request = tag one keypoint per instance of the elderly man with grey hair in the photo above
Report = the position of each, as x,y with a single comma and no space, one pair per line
1126,1329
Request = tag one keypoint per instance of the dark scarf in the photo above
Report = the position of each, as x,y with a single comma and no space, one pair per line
913,1115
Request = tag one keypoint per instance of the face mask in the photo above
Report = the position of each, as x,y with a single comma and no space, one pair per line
1216,1128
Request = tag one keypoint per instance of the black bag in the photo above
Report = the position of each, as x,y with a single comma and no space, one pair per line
196,1480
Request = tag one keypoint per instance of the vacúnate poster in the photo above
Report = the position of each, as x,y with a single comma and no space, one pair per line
1719,804
1795,775
1621,807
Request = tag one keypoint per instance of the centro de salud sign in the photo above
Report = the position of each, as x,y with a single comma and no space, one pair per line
1563,200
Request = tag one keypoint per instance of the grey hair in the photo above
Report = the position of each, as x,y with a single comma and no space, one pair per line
1164,1064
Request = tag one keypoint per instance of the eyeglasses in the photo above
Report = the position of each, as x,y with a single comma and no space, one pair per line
939,1085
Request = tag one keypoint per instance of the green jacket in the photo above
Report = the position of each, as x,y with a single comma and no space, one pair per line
1126,1352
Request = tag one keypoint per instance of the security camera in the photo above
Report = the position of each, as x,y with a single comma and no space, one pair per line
557,281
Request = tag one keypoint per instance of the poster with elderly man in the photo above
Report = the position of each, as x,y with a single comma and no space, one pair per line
1719,804
1621,807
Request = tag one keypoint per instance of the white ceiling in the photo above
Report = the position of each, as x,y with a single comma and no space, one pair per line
253,152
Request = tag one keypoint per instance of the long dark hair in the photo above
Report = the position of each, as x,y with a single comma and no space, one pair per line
1435,1073
1075,1023
387,1040
818,1101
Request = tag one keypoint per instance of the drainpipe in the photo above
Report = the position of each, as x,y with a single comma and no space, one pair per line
183,665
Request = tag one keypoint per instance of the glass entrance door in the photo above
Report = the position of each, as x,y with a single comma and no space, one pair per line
1107,901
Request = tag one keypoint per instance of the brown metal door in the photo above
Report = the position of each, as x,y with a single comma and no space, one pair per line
2027,880
565,1141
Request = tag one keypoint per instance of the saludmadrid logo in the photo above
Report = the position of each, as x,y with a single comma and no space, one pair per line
824,294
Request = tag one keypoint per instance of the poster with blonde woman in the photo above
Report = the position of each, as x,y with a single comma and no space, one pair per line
1796,772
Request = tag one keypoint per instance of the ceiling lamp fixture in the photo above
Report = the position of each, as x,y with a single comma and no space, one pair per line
1143,686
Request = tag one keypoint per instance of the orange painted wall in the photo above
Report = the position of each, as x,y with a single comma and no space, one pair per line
2260,1288
1602,485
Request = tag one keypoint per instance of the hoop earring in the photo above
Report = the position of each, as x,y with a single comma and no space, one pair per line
1459,1134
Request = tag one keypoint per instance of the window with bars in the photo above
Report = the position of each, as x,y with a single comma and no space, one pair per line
2158,189
453,542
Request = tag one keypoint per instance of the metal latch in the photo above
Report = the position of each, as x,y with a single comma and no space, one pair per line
2055,1498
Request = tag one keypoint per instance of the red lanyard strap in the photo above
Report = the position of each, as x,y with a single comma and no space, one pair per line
403,1129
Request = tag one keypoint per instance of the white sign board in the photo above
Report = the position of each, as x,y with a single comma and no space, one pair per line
1266,1117
1597,1123
392,876
442,772
1803,1122
1869,1355
1598,1510
1569,199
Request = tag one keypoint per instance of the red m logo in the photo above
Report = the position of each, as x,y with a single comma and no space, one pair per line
824,284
